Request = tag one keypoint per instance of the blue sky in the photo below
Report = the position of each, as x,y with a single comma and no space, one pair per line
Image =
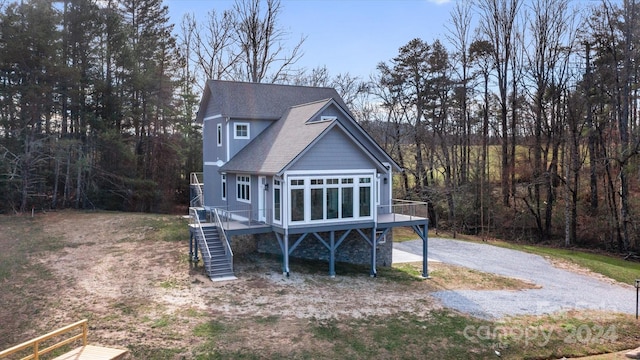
345,35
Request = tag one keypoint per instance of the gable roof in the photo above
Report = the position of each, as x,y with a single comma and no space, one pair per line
281,142
259,100
286,140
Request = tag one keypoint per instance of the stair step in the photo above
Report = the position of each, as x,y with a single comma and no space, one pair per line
214,256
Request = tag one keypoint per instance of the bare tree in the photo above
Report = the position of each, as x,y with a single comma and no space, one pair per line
459,36
261,43
244,43
498,18
211,46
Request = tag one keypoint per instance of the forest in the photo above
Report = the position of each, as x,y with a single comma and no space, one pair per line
520,123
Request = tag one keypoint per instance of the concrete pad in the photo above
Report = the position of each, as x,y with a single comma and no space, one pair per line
399,257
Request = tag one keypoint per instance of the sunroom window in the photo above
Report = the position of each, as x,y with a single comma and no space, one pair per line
315,199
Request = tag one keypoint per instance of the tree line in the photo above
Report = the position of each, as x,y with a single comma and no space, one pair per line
527,126
522,122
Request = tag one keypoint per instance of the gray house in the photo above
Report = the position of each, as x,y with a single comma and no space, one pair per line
289,169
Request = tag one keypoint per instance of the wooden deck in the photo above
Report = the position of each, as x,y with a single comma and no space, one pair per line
91,352
75,332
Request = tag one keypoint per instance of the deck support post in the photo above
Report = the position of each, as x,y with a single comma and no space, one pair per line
374,243
423,232
195,250
190,245
285,253
332,254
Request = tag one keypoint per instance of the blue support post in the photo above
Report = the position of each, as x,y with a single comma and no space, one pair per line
190,245
195,250
285,253
425,246
332,254
374,243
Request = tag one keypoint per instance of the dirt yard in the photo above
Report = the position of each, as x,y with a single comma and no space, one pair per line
138,291
136,286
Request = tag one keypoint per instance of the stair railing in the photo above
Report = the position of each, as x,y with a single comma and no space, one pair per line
197,185
196,219
225,242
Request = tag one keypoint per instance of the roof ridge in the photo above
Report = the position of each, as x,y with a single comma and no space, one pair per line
313,103
270,84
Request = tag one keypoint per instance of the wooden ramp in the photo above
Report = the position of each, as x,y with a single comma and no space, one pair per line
74,333
91,352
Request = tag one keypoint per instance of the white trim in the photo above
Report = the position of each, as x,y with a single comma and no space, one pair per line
212,117
228,136
224,186
312,173
248,190
235,131
262,198
333,174
218,163
273,199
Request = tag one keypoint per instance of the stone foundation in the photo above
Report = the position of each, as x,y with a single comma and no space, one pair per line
354,249
243,244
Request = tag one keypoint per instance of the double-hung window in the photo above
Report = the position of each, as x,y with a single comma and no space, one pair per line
242,131
243,184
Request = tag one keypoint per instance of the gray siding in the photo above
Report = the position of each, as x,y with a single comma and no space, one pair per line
212,187
255,128
335,151
210,150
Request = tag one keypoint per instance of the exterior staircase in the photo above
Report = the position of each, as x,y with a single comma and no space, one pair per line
216,263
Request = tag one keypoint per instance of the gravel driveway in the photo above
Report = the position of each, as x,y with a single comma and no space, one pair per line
560,289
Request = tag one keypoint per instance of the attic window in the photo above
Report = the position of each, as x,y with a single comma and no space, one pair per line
242,131
328,118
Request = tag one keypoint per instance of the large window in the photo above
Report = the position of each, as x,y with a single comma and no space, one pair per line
315,199
241,131
277,200
365,197
243,184
297,200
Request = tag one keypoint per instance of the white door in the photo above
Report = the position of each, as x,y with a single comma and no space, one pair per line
262,196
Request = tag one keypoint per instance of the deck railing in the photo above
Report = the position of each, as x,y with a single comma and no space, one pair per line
36,343
225,242
245,216
413,209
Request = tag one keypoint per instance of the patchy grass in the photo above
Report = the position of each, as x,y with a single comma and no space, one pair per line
159,318
443,335
401,234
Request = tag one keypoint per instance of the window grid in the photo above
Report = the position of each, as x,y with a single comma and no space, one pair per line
330,198
241,131
243,184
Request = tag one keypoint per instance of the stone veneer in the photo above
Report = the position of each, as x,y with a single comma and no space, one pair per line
354,249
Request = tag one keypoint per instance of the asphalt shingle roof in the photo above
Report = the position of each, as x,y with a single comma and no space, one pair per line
281,142
261,101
